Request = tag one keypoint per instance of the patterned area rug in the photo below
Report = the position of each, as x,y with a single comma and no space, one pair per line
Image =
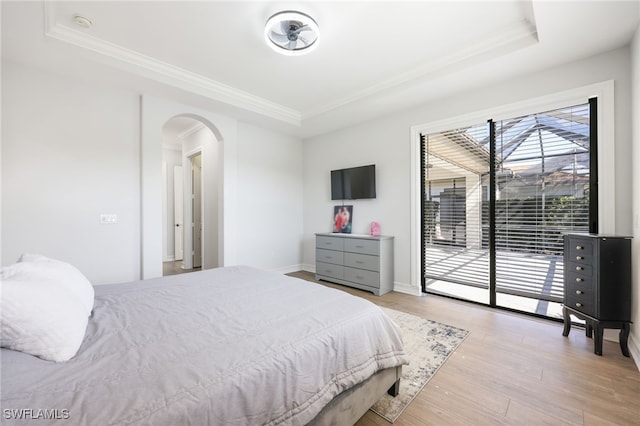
429,344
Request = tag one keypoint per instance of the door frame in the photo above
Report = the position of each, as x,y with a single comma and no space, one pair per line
197,222
178,195
187,235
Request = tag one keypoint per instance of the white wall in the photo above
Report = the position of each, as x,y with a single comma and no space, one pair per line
387,143
73,150
69,154
270,192
634,344
382,143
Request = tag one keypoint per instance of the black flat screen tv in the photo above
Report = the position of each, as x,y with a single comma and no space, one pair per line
353,183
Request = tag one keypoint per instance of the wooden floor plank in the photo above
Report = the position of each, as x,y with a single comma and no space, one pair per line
522,414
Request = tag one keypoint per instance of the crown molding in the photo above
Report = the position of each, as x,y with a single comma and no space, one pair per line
163,72
517,35
508,39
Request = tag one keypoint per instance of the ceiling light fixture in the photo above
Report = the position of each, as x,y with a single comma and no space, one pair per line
291,33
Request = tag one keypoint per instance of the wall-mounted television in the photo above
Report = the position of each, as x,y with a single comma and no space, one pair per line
353,183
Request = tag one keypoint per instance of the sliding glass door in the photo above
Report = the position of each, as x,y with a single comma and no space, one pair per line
455,165
497,198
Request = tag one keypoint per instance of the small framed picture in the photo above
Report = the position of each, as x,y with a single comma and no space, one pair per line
342,219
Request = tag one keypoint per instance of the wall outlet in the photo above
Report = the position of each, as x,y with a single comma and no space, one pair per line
108,219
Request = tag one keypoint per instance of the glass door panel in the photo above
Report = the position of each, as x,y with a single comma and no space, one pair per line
542,191
456,261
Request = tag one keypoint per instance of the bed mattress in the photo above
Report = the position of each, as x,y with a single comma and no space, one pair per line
227,346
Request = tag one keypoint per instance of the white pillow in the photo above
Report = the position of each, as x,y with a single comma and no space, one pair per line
44,309
41,318
35,266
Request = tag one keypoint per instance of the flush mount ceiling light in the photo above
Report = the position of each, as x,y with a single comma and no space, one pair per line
291,33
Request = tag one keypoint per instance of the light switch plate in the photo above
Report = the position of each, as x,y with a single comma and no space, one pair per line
108,219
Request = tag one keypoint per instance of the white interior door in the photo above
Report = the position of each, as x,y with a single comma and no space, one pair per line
178,212
196,198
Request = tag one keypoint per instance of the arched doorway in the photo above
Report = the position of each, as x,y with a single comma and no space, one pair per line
155,112
192,224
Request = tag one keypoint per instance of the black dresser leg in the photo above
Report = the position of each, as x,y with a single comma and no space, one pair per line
567,322
624,337
588,329
597,339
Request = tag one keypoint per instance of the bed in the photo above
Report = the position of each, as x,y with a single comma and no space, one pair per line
227,346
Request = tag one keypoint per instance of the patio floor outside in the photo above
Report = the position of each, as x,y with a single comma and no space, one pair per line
526,282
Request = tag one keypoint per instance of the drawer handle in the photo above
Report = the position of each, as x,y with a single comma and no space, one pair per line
579,304
360,262
579,268
579,292
359,277
359,246
579,248
579,280
579,257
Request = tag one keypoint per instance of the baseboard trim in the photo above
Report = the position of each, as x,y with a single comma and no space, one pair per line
308,268
287,269
406,289
634,349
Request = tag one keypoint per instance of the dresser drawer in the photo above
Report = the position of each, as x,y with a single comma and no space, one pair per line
583,258
581,300
329,256
360,276
330,270
576,279
582,269
331,243
362,261
356,245
576,282
580,249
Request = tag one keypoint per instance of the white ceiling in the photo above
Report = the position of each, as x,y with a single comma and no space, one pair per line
373,57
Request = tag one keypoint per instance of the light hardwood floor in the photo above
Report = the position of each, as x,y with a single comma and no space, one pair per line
514,370
175,268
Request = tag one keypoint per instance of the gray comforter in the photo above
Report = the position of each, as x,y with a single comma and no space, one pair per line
229,346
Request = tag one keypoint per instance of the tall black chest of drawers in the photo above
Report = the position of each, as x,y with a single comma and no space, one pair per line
597,285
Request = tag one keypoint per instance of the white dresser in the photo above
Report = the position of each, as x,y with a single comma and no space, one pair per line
359,261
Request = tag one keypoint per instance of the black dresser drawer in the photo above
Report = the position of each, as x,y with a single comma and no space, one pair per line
581,269
580,250
580,246
581,299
